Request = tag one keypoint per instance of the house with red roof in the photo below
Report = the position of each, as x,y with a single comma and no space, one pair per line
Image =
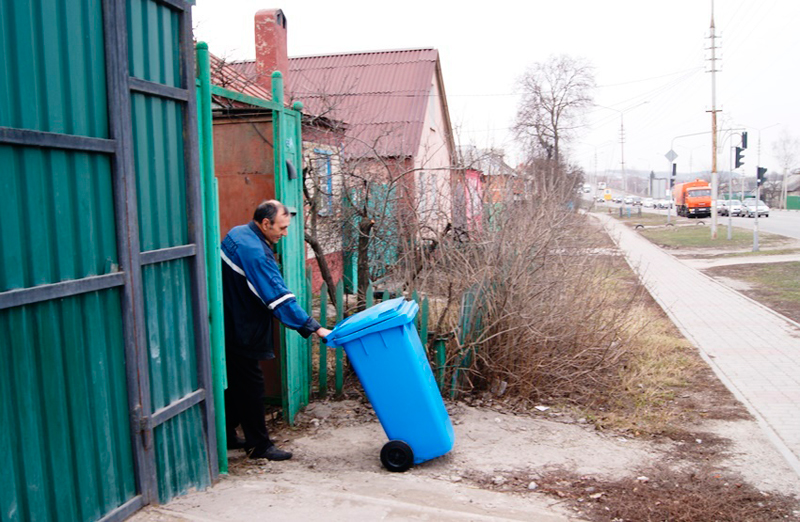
391,108
395,108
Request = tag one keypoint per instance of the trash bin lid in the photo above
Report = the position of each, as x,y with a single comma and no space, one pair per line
380,313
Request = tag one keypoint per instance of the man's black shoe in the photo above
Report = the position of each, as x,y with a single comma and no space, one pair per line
271,453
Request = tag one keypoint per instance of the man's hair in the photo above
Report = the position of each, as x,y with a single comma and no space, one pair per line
269,209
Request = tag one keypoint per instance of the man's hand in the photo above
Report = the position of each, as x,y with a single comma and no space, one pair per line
323,332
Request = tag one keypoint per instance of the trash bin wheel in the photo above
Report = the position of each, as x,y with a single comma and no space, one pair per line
396,455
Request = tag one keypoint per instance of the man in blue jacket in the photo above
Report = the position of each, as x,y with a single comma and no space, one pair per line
253,293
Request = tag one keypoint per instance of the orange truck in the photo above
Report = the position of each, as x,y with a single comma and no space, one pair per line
693,198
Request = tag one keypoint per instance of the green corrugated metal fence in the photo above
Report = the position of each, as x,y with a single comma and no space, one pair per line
106,400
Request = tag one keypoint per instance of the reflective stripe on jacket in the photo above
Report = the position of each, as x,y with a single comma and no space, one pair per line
254,292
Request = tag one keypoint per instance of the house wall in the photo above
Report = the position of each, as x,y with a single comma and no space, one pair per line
432,163
335,262
324,182
474,200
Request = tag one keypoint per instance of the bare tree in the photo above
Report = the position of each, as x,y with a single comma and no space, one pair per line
555,95
373,210
786,150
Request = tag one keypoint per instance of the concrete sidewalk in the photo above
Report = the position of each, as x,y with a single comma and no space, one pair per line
754,351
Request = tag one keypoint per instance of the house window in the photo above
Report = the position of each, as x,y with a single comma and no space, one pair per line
323,181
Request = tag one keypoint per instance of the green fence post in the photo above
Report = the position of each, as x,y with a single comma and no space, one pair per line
212,244
339,350
310,340
440,348
370,297
423,323
323,350
415,298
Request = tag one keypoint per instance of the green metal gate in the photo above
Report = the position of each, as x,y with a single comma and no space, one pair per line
295,356
106,384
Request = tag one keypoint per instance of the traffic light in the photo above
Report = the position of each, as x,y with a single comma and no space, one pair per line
674,173
744,140
739,157
761,173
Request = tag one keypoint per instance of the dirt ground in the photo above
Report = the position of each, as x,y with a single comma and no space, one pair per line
504,466
543,465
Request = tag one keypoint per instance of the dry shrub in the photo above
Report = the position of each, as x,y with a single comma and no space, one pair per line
543,315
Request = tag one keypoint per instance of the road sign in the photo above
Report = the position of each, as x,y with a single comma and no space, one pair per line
671,155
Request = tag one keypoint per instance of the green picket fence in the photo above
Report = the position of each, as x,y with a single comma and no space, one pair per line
372,298
448,378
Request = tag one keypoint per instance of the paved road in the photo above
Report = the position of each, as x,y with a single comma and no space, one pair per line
754,351
783,222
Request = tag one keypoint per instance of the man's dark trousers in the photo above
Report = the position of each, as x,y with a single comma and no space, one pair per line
244,401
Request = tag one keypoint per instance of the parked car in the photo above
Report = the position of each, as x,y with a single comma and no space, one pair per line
648,203
664,203
628,200
636,200
722,207
734,207
750,207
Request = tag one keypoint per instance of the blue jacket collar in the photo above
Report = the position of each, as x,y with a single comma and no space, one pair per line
258,232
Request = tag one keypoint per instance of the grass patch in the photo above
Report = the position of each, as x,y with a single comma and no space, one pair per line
775,285
663,383
699,236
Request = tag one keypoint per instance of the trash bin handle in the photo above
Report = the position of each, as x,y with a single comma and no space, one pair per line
406,314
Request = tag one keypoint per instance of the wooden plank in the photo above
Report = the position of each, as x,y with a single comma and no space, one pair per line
310,341
440,347
423,323
323,349
339,375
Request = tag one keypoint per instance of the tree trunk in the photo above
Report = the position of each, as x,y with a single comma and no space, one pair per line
324,269
364,236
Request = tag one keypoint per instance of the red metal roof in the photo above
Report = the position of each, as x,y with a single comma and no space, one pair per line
382,95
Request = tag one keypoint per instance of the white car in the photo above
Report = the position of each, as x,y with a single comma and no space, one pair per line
750,208
734,207
649,203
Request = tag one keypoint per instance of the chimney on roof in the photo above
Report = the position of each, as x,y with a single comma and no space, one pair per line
271,53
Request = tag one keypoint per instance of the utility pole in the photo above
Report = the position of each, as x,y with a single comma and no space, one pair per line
714,175
622,152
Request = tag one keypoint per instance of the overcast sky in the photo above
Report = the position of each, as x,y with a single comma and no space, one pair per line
650,61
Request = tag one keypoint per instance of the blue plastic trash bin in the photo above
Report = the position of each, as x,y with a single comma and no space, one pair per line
384,348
